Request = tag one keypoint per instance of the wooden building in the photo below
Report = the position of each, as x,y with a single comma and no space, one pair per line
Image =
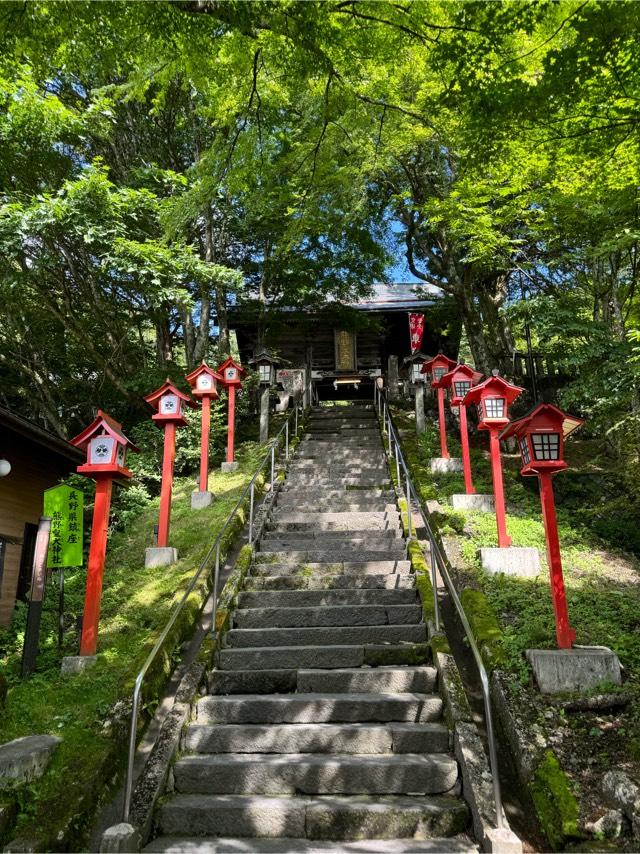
38,460
343,348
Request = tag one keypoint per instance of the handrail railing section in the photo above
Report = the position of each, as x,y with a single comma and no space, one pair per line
270,458
439,563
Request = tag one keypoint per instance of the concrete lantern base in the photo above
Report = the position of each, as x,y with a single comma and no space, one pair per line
445,465
481,503
160,556
581,669
522,562
199,500
77,663
226,467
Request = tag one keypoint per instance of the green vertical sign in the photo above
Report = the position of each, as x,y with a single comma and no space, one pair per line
64,505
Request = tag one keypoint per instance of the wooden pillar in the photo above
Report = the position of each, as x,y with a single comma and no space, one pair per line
419,400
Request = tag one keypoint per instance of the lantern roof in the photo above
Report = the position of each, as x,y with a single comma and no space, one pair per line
543,415
493,385
192,378
264,355
103,423
168,388
460,370
438,361
418,356
231,363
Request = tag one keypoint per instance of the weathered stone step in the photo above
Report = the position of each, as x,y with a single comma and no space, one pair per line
316,598
314,580
291,496
312,636
385,553
344,504
289,517
386,680
328,657
347,527
460,844
323,817
311,774
374,563
350,738
314,536
327,615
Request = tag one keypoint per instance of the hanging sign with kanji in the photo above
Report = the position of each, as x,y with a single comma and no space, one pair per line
416,331
64,505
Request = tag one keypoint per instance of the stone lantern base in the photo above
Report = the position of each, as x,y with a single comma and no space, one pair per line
581,669
199,500
445,465
477,501
523,562
160,556
227,467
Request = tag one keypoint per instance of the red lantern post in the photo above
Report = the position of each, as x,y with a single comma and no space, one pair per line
169,403
203,382
493,398
541,435
232,374
437,368
460,380
106,447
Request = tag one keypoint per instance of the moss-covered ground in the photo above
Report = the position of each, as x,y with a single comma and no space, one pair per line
510,615
89,711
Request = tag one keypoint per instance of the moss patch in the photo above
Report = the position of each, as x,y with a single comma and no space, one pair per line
484,625
555,805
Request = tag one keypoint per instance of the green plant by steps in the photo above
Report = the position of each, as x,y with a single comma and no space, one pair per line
555,804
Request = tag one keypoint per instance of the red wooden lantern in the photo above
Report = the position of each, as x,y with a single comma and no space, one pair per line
541,435
460,380
106,447
204,381
437,368
170,404
232,374
493,397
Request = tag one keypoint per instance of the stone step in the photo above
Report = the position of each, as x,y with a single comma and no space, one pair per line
316,598
314,636
460,844
348,526
380,818
374,563
386,680
344,504
287,580
376,554
291,518
292,496
333,481
350,738
308,773
311,534
327,615
328,657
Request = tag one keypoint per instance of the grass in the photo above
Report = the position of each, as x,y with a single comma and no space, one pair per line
89,711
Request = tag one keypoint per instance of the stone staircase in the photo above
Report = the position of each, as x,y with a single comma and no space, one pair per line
322,729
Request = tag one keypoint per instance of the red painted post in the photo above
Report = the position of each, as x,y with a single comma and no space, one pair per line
469,488
231,419
168,459
95,566
504,540
443,430
565,635
204,443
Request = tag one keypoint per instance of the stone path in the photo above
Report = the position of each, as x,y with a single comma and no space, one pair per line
323,727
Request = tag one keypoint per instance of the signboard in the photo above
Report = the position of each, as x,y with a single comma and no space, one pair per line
345,344
416,331
64,505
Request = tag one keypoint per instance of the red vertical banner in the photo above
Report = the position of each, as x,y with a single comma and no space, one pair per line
416,331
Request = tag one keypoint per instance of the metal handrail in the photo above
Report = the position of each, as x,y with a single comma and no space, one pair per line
438,560
270,457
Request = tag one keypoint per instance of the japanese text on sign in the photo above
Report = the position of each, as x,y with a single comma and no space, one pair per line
64,505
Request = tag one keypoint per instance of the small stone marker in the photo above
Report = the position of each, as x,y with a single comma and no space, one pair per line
227,467
514,560
445,465
160,556
476,501
200,500
119,838
559,671
77,663
26,758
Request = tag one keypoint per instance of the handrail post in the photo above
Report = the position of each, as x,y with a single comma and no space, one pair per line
273,468
286,440
434,584
128,786
398,465
251,500
216,575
